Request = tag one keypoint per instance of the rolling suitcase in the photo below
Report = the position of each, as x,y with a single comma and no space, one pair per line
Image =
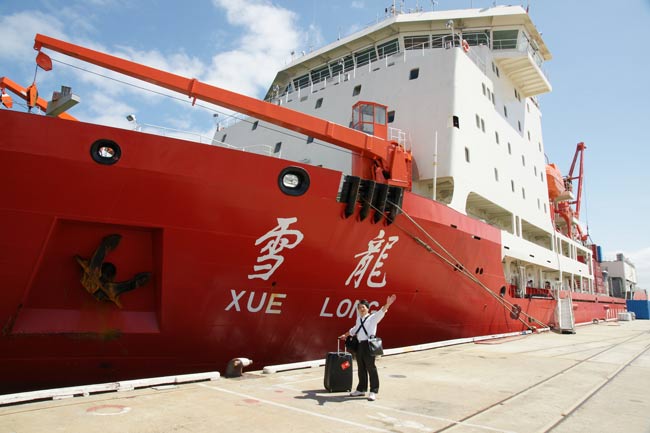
338,371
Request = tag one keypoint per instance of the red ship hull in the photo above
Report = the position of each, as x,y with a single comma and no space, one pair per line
195,217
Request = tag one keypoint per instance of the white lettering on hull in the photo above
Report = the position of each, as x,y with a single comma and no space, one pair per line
257,303
345,308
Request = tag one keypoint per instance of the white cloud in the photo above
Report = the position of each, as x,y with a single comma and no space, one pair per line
17,33
269,36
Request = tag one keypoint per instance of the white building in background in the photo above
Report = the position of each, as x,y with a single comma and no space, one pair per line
621,276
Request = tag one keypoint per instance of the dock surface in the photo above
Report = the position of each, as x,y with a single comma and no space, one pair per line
596,380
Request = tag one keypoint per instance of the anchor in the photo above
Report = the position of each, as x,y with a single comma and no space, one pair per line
98,276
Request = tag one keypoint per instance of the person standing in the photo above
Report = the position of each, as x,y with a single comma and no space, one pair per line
365,361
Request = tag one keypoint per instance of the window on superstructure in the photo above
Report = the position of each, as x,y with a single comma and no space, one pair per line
391,116
535,170
310,139
342,65
528,107
539,146
539,205
519,125
364,57
417,42
223,139
278,147
319,103
483,84
482,125
440,41
545,211
254,127
388,48
541,175
356,90
496,136
523,160
497,71
523,192
300,82
528,135
504,39
455,122
512,185
467,154
496,174
494,102
505,111
509,149
478,122
320,74
414,74
477,38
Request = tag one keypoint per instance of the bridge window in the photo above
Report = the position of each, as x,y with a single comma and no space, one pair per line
504,39
416,42
388,48
391,116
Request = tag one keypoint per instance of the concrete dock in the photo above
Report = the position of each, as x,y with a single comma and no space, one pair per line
597,380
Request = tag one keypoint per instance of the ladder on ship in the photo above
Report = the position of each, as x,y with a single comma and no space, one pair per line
564,313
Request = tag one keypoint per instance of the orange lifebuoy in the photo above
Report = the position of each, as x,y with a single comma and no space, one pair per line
465,46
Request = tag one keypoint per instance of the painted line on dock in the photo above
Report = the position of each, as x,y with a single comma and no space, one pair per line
295,409
446,420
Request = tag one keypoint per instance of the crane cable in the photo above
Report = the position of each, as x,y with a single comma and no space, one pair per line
514,309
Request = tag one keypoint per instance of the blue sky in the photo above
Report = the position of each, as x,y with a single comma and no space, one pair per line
599,73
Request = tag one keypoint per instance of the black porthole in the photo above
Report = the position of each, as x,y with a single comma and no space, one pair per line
105,152
293,181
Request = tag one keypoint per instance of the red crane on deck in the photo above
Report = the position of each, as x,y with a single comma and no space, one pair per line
29,95
376,158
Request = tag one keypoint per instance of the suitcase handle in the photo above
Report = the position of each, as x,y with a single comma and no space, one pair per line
338,346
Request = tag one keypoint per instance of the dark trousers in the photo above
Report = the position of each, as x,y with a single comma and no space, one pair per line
366,367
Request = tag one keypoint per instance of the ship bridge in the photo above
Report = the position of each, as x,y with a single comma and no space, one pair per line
515,43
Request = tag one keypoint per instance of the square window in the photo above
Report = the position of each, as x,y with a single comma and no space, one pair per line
254,127
310,139
319,103
356,90
391,116
414,74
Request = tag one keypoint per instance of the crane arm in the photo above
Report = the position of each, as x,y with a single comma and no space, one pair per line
393,161
29,95
580,148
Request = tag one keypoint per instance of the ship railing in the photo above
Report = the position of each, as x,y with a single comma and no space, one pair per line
171,132
521,45
263,149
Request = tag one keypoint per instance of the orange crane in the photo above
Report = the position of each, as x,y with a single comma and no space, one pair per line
377,158
29,95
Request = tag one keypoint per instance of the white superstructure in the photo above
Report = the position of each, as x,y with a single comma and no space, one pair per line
461,87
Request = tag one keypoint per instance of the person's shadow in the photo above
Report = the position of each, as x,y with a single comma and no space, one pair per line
322,396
